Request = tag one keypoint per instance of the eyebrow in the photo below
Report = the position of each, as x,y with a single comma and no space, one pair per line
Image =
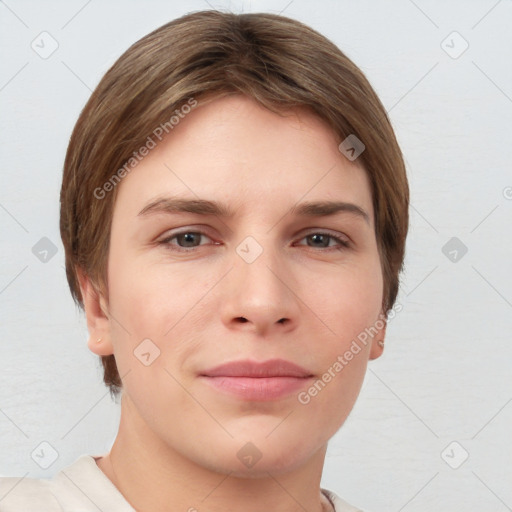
326,208
206,207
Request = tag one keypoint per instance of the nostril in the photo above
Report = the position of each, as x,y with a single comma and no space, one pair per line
243,320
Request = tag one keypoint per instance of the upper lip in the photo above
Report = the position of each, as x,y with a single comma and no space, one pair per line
247,368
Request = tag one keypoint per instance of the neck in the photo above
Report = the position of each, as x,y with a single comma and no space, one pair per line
152,476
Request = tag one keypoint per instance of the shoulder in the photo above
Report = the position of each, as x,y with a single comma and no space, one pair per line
19,494
80,487
339,504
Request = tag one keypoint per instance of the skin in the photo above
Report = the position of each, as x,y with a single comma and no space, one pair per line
178,439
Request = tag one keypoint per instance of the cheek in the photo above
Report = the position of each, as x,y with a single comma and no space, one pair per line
348,309
349,302
149,299
157,303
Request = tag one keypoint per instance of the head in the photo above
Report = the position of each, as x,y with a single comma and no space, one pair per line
247,112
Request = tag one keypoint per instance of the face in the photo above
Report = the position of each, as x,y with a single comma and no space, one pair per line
242,274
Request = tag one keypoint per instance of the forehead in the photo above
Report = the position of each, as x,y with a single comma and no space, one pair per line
233,150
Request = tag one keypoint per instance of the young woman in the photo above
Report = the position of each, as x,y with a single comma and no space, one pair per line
234,210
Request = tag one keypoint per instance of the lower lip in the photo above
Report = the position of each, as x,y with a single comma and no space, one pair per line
261,388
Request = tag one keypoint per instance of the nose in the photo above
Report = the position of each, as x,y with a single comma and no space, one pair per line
258,296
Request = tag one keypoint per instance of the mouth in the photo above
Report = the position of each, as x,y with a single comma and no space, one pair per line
257,381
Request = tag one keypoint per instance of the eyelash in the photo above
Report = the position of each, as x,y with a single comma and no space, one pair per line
343,244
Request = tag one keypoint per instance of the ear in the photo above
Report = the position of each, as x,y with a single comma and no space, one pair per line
96,312
376,349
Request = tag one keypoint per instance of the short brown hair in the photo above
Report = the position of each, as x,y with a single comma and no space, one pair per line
279,62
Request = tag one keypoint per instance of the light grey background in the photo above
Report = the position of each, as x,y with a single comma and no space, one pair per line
445,375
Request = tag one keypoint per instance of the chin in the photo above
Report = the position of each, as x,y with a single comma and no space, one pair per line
256,456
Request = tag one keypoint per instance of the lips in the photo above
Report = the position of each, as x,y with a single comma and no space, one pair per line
270,368
251,380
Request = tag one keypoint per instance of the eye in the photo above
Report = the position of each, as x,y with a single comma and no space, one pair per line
322,240
185,240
